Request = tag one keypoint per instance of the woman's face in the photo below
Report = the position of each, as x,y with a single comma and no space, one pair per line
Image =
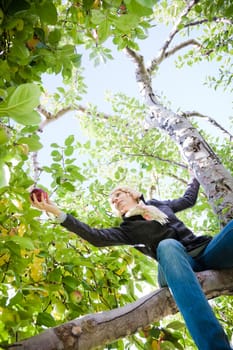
123,201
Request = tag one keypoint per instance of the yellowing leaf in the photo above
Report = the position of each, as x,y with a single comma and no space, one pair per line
3,231
120,271
58,311
4,258
21,229
155,345
36,269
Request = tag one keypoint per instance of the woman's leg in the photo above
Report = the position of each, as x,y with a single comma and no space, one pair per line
219,252
177,268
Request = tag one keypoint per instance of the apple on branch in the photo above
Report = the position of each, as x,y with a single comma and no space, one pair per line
76,296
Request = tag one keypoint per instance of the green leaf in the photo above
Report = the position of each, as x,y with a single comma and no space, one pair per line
175,325
127,22
17,299
4,174
54,37
55,275
47,12
45,319
54,145
4,137
97,16
147,3
69,140
14,248
24,99
104,31
76,60
69,150
70,282
57,156
67,50
80,177
21,102
32,141
167,345
24,242
68,186
139,8
19,53
198,8
32,118
16,6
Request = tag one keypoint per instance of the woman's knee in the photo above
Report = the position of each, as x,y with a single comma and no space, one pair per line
168,248
168,244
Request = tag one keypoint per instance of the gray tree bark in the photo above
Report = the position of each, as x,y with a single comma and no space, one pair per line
96,330
215,179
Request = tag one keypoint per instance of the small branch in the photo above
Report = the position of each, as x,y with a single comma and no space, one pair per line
36,167
172,34
215,19
211,120
51,117
172,162
86,110
179,47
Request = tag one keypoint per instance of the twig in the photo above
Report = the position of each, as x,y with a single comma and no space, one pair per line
36,167
215,19
172,162
171,35
211,120
49,117
179,47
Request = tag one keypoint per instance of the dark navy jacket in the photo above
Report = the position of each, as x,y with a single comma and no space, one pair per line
145,235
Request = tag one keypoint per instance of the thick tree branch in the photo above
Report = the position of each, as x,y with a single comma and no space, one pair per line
92,331
81,109
143,77
142,74
208,169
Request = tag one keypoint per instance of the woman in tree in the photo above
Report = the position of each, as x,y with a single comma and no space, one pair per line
153,228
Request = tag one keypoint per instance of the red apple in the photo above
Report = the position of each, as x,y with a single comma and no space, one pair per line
38,193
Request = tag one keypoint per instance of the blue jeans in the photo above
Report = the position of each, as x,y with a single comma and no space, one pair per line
177,270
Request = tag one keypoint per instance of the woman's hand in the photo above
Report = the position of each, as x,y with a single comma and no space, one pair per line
45,204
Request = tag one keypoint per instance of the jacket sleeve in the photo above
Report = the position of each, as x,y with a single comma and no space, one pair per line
97,237
189,198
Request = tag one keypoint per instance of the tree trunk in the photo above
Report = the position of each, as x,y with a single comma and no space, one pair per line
215,179
95,330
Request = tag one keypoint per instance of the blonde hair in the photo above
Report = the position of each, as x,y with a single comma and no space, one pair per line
134,193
